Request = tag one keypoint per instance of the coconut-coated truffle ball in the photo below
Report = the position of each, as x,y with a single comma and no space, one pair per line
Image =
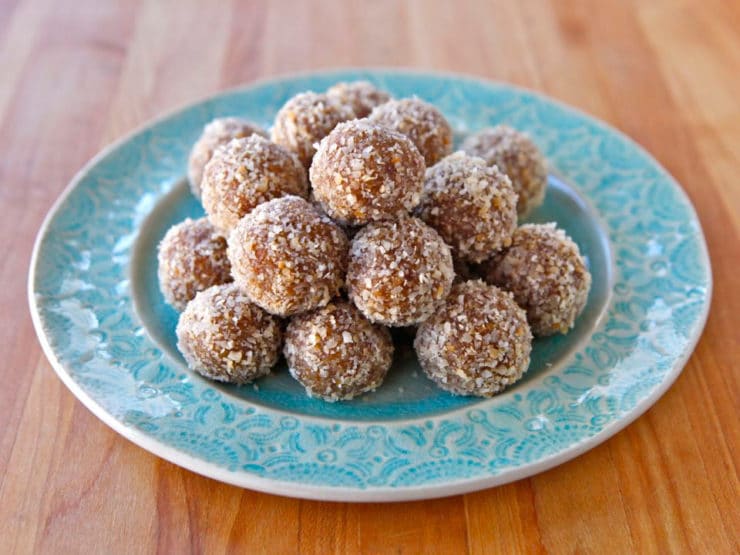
363,172
419,121
306,119
360,96
477,343
336,353
399,271
225,337
192,257
518,157
545,271
471,205
245,173
288,257
216,133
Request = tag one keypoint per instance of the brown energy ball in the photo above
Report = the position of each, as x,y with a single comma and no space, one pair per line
245,173
399,272
518,157
225,337
477,343
192,257
306,119
218,132
421,122
545,271
471,205
336,353
360,96
363,172
288,257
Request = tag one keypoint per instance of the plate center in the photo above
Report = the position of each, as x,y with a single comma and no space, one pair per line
406,393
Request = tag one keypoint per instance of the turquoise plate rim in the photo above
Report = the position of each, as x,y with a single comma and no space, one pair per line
368,491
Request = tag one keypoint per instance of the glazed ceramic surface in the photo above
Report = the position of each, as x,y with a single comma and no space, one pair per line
110,336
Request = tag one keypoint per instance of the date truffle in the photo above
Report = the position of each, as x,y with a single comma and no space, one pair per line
419,121
545,271
518,157
225,337
336,353
360,96
192,257
216,133
245,173
399,271
470,204
477,343
306,119
288,257
363,172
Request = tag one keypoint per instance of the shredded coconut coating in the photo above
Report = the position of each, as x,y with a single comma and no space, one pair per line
419,121
518,157
399,272
336,353
545,271
245,173
363,172
288,257
306,119
216,133
225,337
477,343
360,96
192,257
471,205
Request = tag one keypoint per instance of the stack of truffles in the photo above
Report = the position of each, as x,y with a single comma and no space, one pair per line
355,216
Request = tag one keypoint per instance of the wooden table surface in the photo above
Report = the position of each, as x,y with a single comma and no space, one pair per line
76,76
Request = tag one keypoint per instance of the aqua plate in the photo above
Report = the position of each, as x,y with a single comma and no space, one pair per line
109,335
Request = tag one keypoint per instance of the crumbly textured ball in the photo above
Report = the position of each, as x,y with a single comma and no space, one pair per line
360,96
288,257
245,173
421,122
218,132
336,353
518,157
399,272
471,205
545,271
225,337
477,343
306,119
192,257
363,172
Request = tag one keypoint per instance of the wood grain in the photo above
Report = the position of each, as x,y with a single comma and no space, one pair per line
75,76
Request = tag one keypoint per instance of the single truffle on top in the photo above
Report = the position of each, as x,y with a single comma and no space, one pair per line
360,96
419,121
306,119
336,353
225,337
477,343
216,133
471,205
192,257
245,173
399,271
288,257
545,271
363,172
518,157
